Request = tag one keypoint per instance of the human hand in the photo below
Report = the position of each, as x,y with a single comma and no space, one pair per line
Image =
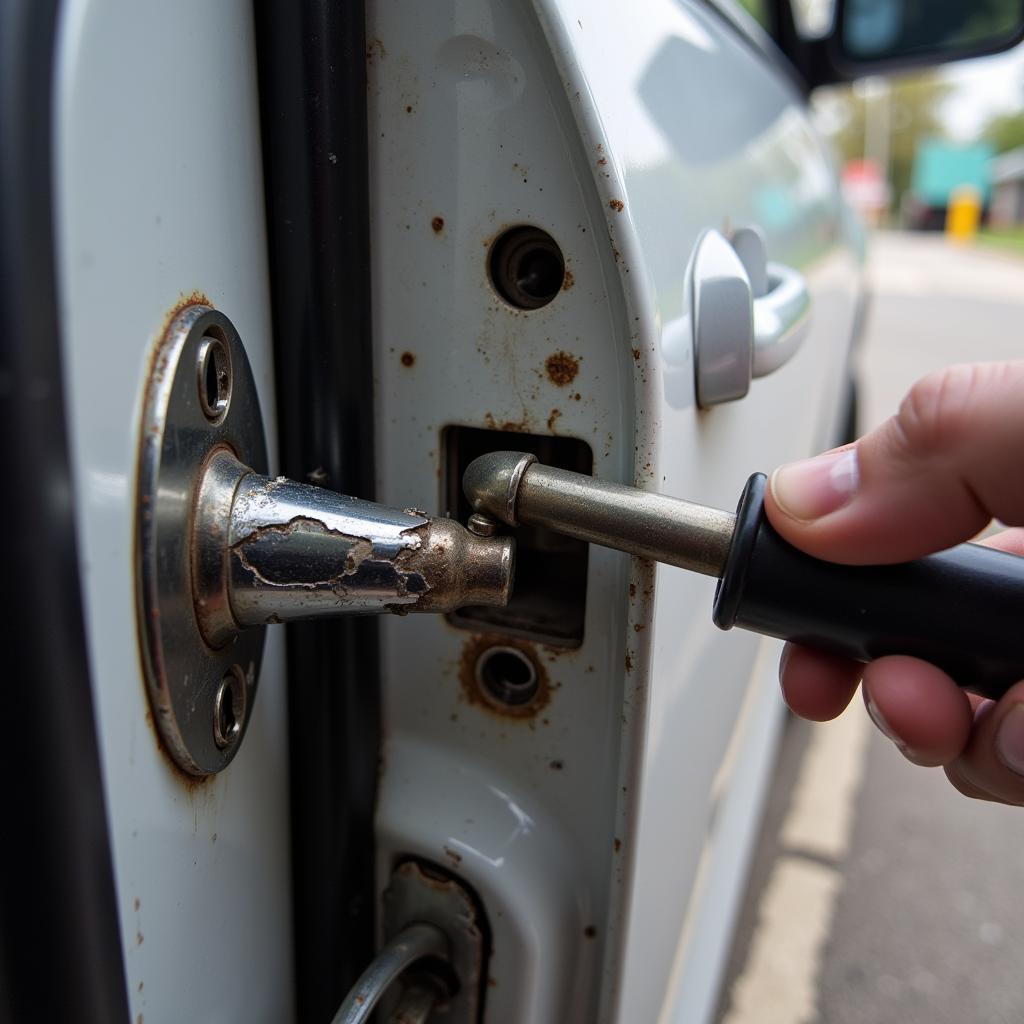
932,476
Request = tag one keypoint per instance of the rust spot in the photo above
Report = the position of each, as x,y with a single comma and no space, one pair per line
456,858
561,368
512,426
576,397
602,161
637,626
632,590
193,298
437,224
590,931
491,983
375,50
407,359
556,765
617,205
617,844
553,418
568,281
408,110
473,693
629,663
192,784
636,354
138,1019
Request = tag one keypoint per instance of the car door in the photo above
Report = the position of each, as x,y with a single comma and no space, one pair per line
507,242
603,824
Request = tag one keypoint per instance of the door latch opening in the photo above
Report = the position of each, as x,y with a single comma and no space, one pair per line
548,602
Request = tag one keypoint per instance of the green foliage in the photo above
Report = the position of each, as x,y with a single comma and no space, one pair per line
1011,239
1005,131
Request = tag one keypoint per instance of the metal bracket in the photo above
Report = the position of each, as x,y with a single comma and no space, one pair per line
432,964
201,400
415,893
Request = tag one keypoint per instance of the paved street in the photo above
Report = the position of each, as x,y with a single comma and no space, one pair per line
879,894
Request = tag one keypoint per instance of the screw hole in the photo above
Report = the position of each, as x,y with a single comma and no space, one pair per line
229,708
527,267
507,675
214,377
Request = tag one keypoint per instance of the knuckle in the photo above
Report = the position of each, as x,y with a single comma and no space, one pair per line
935,410
960,782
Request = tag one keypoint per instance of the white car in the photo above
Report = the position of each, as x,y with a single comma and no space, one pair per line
433,230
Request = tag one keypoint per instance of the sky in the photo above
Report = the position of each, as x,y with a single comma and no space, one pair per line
985,87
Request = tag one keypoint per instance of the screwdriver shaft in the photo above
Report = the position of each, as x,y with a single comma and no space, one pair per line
515,488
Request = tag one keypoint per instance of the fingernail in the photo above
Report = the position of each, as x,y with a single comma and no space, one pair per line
815,487
1010,739
886,729
783,659
879,719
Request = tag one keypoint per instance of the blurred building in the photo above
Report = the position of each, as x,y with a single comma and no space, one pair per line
940,169
1007,207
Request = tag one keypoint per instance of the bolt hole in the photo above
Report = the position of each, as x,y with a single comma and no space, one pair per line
507,675
527,267
229,708
214,377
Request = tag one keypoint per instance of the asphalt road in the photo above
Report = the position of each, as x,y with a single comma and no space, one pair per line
878,893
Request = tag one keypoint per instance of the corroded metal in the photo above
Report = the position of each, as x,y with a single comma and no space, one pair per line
419,892
224,550
513,487
275,550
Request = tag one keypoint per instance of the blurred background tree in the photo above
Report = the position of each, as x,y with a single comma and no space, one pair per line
914,112
1005,131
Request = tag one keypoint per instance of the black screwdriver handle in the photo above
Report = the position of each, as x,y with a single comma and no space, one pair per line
961,609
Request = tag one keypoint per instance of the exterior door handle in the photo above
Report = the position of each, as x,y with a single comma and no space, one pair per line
781,319
747,316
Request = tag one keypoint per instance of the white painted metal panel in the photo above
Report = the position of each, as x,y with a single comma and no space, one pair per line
624,134
159,186
468,123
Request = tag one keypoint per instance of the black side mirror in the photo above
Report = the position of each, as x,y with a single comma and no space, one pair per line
881,36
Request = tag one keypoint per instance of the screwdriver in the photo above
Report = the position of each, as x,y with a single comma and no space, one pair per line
960,609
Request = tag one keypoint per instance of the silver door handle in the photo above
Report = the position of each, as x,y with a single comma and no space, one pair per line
781,319
746,316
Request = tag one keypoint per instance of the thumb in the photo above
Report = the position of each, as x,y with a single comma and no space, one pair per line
930,477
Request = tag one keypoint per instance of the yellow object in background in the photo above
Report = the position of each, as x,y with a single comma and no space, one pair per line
963,214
